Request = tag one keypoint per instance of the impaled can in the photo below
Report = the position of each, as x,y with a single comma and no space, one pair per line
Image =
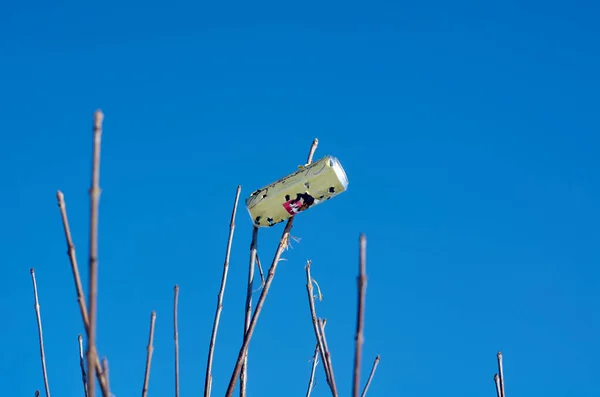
307,187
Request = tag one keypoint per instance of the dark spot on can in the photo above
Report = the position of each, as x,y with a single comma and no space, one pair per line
307,185
257,220
287,197
265,195
270,220
321,197
331,189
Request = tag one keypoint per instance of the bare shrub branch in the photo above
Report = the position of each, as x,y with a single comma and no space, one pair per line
360,321
260,271
105,370
497,383
40,333
150,350
373,369
313,369
327,357
501,374
315,362
93,260
176,337
82,365
248,307
213,338
318,331
78,286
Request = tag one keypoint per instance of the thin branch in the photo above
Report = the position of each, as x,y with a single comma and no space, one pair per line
82,365
176,336
315,362
327,357
257,311
501,374
375,363
360,320
497,382
150,349
40,334
248,306
263,296
37,393
93,260
213,338
312,150
313,370
262,275
317,329
105,370
78,286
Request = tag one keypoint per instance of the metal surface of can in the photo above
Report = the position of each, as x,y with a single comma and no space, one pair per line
307,187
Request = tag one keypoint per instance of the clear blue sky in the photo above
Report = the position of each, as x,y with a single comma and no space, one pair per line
469,133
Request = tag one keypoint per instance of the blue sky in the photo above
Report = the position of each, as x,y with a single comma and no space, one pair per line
469,133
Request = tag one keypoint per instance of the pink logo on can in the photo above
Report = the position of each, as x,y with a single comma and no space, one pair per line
302,202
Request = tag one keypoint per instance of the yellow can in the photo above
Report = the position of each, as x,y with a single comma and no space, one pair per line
307,187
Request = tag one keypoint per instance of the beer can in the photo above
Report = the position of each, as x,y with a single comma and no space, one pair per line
308,186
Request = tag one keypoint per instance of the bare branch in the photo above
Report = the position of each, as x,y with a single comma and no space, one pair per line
150,349
248,307
82,365
262,275
78,286
497,382
176,336
327,357
360,321
375,363
312,150
263,296
93,260
313,369
315,362
105,370
501,374
40,334
213,338
316,327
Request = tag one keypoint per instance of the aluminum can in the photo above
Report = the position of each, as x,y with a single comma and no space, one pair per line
308,186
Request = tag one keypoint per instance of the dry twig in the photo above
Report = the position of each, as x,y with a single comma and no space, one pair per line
360,321
317,328
327,357
93,262
262,275
78,286
313,369
375,363
40,334
176,337
105,370
261,300
248,307
501,374
497,383
150,350
213,338
315,362
82,365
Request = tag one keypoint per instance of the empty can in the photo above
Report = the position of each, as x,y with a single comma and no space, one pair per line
307,187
